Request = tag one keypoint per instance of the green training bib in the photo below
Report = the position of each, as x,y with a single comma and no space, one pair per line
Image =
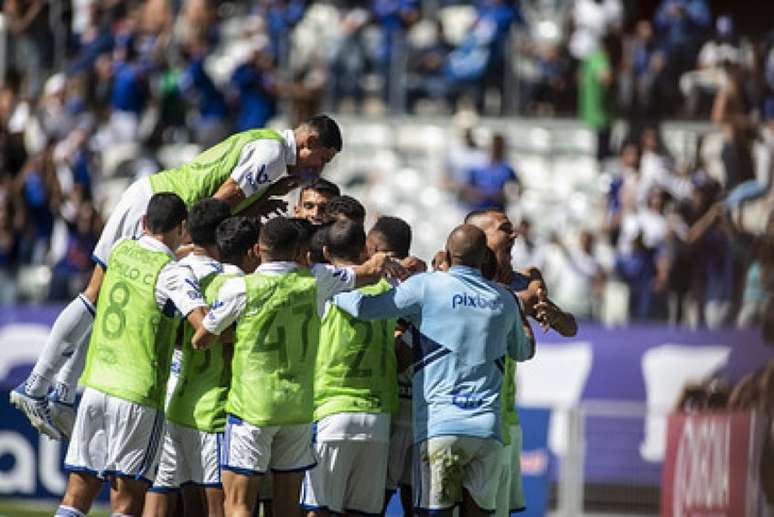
274,354
203,176
356,365
199,399
131,345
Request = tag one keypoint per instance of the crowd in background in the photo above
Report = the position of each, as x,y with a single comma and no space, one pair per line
87,75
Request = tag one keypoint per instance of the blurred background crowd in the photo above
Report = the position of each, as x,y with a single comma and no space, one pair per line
94,90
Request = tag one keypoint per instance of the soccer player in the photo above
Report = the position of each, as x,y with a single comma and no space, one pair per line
313,198
465,326
240,170
393,235
346,207
528,285
196,416
270,403
120,419
355,392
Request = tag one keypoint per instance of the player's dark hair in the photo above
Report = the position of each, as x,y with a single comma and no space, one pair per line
321,186
316,243
280,239
165,211
204,218
395,234
346,206
305,230
346,240
327,131
235,236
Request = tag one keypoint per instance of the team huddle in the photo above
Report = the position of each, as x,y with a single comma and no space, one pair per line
234,359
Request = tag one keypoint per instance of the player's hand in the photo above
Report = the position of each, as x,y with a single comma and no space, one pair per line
414,264
273,206
283,186
383,263
545,312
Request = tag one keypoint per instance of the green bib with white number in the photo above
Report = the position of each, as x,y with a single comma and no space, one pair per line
131,345
199,399
203,176
276,344
356,366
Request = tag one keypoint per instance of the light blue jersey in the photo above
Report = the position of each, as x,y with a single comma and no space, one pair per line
463,325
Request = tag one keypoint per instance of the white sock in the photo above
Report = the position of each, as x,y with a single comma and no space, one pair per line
67,380
68,511
72,324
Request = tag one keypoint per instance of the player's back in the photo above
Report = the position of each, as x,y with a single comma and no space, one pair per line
276,344
460,340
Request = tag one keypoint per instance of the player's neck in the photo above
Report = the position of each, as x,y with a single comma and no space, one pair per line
206,251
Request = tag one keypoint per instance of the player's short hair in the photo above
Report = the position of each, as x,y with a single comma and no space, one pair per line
280,239
483,211
235,236
204,218
305,230
317,242
346,240
346,206
327,131
322,186
395,233
165,211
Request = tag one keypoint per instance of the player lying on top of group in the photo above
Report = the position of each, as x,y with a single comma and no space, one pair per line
242,171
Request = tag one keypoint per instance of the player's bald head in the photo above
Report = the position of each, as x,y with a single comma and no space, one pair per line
466,246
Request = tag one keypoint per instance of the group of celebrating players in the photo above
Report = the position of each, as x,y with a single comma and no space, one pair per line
298,364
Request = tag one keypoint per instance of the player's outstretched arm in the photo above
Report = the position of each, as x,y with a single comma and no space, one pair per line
372,270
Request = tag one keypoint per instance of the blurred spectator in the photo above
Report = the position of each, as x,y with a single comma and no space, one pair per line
211,123
643,76
71,273
281,16
349,59
638,268
30,41
40,195
731,111
716,55
426,75
462,156
594,96
624,185
254,84
478,63
526,250
8,245
576,275
393,17
680,26
129,95
592,21
545,92
486,185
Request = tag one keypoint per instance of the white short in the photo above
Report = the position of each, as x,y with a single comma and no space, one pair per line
125,220
114,437
510,492
444,465
188,456
349,477
399,464
252,450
